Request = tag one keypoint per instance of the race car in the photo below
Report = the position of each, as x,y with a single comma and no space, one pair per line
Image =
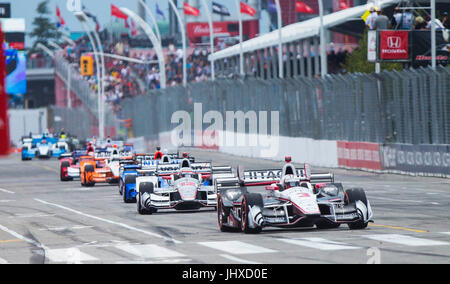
28,149
59,148
95,170
129,171
69,164
185,186
295,198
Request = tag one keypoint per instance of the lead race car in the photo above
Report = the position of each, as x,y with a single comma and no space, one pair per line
186,186
295,198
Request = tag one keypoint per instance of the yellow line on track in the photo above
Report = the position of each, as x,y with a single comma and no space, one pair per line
10,241
48,168
398,228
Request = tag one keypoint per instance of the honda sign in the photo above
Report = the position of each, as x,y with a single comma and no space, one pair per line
394,45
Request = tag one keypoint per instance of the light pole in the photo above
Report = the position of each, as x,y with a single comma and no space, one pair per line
156,44
433,34
152,18
280,40
211,37
241,52
183,38
82,18
323,44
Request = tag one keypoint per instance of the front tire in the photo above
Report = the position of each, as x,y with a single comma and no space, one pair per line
247,201
128,180
351,196
221,217
144,188
88,172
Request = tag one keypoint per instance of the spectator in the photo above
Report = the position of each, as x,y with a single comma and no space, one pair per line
445,20
396,19
406,20
381,21
437,24
419,23
370,21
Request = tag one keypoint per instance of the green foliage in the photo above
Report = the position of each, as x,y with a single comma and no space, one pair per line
357,60
44,29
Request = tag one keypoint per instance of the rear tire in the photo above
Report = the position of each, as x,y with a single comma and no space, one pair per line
250,199
351,196
64,165
128,180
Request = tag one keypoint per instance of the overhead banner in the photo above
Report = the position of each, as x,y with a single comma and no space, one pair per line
421,48
5,10
417,159
394,45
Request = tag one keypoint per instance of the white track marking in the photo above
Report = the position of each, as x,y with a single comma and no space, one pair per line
32,215
402,200
405,240
58,229
6,201
19,236
149,251
236,247
162,261
235,259
69,256
2,261
319,243
6,191
109,221
446,233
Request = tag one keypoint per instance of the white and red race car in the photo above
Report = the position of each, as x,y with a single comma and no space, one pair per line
295,198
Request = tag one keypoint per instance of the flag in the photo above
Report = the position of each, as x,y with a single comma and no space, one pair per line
94,18
247,9
220,9
301,7
271,6
189,10
115,12
134,31
343,5
61,21
159,12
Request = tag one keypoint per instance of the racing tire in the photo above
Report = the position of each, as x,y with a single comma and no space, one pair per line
128,180
89,169
120,186
220,217
250,199
144,188
64,165
351,196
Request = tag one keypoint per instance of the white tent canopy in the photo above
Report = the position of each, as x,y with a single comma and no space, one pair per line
298,31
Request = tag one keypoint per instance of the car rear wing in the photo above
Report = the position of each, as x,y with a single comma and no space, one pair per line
167,169
268,177
65,156
226,183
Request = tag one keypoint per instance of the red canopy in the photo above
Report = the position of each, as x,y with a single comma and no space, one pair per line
303,8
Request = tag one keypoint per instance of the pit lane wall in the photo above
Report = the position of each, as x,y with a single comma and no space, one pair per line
416,160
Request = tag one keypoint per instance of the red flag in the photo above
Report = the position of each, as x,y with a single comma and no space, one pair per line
301,7
343,5
133,29
60,18
115,12
247,9
189,10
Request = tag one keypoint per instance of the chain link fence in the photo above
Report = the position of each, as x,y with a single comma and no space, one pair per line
411,106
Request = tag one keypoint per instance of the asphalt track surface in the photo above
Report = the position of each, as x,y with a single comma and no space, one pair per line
43,220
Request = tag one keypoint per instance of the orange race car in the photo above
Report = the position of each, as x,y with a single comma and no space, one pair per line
95,170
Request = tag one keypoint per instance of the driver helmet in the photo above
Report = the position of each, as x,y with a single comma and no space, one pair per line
290,181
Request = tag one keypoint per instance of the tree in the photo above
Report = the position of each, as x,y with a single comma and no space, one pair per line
356,61
44,29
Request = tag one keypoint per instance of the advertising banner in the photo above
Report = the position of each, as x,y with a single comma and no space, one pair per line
394,45
4,123
16,81
372,46
359,155
417,159
421,48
